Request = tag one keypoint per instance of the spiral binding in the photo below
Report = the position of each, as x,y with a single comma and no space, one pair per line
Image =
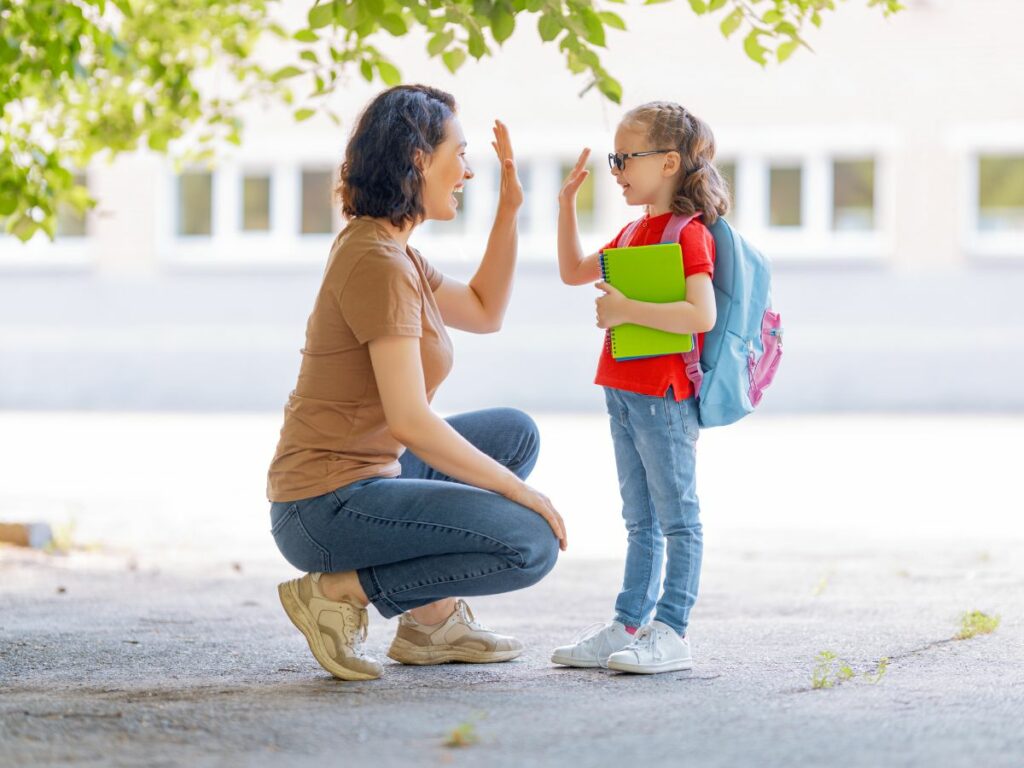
609,336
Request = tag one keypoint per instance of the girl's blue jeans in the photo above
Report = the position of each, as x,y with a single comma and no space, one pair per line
655,453
423,536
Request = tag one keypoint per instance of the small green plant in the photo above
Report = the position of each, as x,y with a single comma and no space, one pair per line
463,735
832,670
880,670
976,623
822,675
822,584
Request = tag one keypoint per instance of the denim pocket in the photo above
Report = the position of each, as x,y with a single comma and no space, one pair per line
686,411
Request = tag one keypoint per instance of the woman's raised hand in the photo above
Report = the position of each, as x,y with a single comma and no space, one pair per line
575,179
533,499
511,195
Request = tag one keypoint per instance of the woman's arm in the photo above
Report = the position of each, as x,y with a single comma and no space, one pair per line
398,370
480,306
695,315
573,267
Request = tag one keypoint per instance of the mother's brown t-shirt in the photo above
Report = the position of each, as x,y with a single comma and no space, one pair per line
334,431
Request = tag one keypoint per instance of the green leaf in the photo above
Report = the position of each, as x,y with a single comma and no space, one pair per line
439,42
754,49
594,27
454,59
612,20
732,22
772,16
394,24
304,114
388,73
366,68
477,45
549,27
503,24
309,56
715,5
285,73
611,88
321,15
786,50
699,6
305,36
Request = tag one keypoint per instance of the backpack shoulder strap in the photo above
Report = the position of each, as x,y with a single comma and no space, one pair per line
673,231
627,234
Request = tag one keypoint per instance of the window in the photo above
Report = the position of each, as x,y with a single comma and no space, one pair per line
195,204
727,170
1001,193
853,195
585,198
255,203
785,198
70,222
317,208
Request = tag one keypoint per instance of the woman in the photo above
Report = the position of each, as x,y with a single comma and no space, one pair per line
372,522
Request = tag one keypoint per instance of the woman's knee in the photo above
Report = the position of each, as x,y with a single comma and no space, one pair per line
525,438
538,551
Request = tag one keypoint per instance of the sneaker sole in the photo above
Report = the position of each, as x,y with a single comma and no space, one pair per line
405,652
568,661
303,620
650,669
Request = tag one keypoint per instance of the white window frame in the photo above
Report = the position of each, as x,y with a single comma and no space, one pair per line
971,145
815,148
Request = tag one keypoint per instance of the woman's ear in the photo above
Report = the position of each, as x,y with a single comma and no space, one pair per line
420,159
673,162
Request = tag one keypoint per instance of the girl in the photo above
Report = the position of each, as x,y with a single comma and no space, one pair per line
663,161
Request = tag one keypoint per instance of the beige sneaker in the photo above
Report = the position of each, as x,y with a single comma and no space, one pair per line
335,631
457,638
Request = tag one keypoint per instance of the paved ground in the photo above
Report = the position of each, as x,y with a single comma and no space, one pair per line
159,641
107,661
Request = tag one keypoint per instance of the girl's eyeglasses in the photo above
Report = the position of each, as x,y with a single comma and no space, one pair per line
618,159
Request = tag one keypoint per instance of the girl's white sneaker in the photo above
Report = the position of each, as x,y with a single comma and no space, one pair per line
656,647
593,645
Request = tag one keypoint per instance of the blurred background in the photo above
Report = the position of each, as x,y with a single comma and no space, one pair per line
146,354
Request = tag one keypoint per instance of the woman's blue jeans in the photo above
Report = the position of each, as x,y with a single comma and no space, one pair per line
423,536
655,454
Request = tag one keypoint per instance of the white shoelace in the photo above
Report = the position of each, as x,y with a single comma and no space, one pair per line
466,614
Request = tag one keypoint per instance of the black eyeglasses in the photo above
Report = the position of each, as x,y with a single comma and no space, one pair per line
618,159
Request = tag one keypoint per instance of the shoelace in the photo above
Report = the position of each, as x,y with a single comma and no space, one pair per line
588,632
645,639
356,629
466,614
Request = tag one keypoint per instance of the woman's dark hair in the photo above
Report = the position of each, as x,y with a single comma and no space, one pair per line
379,176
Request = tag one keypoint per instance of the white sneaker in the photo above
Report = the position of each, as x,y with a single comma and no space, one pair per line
655,648
593,645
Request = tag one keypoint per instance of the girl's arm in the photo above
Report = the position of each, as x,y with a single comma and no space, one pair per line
398,370
480,306
573,267
695,315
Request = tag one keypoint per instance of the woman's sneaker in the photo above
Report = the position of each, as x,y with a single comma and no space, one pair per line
335,632
593,645
457,638
655,648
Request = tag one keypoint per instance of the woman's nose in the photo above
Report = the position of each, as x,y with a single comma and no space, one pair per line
469,173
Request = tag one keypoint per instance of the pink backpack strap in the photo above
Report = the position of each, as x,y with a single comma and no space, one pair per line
673,231
627,234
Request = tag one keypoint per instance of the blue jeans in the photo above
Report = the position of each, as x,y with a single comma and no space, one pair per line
655,453
423,536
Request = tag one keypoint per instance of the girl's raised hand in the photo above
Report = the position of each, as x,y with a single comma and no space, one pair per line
511,194
575,179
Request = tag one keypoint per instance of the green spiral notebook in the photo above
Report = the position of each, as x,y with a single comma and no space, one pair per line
646,273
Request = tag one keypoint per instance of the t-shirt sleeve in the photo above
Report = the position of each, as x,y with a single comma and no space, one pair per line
434,276
382,297
698,249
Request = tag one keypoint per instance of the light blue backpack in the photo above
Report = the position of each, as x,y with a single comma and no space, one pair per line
741,353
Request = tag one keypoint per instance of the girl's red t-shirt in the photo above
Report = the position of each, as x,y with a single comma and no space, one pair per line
654,375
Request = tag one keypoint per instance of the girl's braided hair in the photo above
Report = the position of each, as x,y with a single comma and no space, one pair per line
700,187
